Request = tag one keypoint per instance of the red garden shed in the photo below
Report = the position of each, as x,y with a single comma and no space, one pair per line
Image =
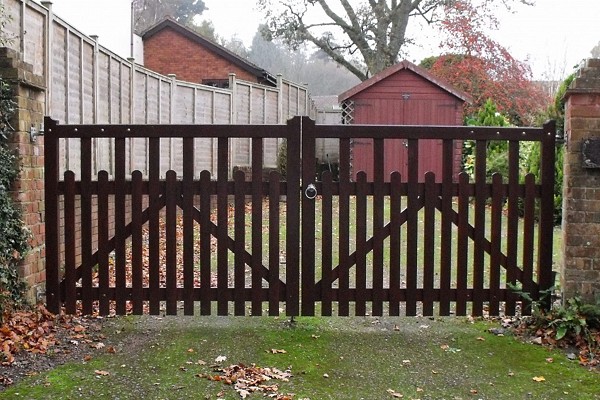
403,94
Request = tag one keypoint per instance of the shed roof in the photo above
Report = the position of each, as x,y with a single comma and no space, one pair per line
402,66
233,58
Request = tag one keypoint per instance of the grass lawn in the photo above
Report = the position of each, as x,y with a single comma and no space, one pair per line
329,358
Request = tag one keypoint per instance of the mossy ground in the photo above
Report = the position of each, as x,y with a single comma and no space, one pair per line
330,358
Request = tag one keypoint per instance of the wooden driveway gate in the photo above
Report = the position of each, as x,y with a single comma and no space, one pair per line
141,239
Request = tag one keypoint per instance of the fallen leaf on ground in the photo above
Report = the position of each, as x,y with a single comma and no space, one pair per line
220,359
539,378
395,394
102,373
277,351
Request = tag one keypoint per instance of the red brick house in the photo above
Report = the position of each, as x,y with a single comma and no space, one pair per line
171,48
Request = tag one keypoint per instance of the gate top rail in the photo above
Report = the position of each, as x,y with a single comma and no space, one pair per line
543,134
125,131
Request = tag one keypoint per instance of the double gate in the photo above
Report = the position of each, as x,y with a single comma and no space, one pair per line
144,240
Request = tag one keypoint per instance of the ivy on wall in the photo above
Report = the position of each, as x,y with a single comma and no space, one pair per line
15,235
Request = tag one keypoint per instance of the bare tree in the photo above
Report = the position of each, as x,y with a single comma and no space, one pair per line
146,13
596,51
363,36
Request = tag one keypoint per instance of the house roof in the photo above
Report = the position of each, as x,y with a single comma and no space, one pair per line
398,67
233,58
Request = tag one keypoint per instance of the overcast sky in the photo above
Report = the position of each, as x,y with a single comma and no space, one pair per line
554,35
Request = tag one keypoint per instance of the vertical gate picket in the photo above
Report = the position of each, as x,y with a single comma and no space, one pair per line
274,235
496,242
257,224
103,250
239,224
154,224
222,235
395,224
446,228
137,243
528,233
344,228
429,243
188,225
480,204
120,264
70,259
462,246
205,244
512,223
378,233
412,227
171,242
326,243
361,243
86,226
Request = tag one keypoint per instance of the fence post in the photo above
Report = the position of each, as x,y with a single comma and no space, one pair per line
545,239
580,268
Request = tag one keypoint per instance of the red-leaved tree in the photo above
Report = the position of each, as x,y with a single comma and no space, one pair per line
480,66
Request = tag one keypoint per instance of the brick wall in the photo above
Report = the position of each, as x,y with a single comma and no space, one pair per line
580,274
169,52
29,189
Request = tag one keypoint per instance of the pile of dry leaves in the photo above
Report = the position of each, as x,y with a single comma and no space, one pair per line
251,379
27,337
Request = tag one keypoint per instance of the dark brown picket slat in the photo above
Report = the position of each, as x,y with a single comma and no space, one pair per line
496,240
361,246
528,240
154,224
412,228
137,246
344,228
512,223
188,225
274,246
462,247
103,252
120,237
70,260
240,238
326,243
446,227
395,262
205,245
480,204
429,243
413,262
171,243
378,233
257,225
86,225
222,234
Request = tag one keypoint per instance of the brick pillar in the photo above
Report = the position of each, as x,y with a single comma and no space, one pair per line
580,270
29,90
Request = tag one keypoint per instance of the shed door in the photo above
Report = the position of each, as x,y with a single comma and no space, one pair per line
401,112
